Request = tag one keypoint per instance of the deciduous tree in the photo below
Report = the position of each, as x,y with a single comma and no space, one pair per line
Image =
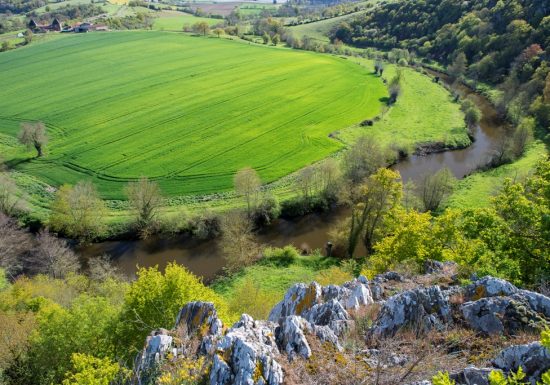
78,211
145,198
33,134
372,202
434,188
239,245
247,184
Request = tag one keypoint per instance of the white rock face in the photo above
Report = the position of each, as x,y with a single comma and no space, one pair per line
324,306
291,337
422,307
490,287
247,354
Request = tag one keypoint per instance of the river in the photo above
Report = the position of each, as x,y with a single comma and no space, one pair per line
204,258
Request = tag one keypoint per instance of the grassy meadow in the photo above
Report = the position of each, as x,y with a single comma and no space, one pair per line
476,190
319,30
185,111
174,21
424,112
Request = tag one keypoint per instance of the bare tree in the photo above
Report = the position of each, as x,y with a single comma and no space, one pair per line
33,135
101,269
328,177
13,243
10,201
78,211
52,256
363,159
434,188
306,183
145,198
247,184
238,243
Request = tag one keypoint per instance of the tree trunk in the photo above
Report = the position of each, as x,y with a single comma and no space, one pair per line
38,148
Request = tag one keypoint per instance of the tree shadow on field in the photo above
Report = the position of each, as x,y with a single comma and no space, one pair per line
384,100
13,163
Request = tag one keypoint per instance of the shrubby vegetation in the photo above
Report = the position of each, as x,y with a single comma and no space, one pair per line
80,327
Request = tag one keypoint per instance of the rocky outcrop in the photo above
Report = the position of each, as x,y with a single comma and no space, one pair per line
199,317
499,315
157,344
324,306
498,307
533,358
421,308
253,352
472,376
246,355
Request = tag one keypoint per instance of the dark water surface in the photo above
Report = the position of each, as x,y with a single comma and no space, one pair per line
204,258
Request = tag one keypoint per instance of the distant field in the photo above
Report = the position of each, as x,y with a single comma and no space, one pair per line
185,111
174,21
319,30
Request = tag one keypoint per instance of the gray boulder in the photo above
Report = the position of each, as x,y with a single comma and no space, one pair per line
490,287
298,299
291,336
424,308
246,355
533,358
538,302
199,317
324,306
472,376
496,315
331,314
157,345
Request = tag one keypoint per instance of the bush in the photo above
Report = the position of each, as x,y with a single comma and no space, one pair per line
281,257
206,225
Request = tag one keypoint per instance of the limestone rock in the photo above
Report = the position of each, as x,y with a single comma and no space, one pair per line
490,287
246,355
533,358
298,299
422,307
291,337
324,306
157,344
196,315
538,302
472,376
496,315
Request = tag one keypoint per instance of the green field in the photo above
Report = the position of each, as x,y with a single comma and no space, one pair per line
424,112
174,21
477,190
319,30
185,111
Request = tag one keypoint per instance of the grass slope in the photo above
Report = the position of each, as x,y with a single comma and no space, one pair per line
185,111
319,30
424,112
476,190
174,21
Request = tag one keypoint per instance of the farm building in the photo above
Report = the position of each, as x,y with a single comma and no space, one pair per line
35,27
88,27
